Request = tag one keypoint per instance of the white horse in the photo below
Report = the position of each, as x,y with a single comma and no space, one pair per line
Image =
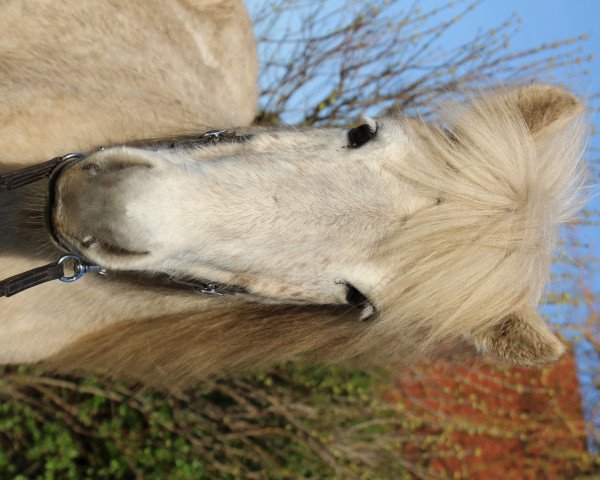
376,243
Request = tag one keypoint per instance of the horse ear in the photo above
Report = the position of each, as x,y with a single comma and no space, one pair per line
545,106
521,338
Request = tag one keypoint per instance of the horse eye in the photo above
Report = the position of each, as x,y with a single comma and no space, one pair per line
354,296
360,135
357,299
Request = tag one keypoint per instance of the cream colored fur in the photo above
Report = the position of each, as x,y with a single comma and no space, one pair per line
80,74
449,235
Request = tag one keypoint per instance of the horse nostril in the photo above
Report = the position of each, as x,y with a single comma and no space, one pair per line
88,241
99,244
92,169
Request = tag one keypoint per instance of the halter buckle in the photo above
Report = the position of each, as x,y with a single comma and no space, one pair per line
209,289
79,268
215,134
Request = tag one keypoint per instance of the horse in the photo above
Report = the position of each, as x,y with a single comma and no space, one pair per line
379,242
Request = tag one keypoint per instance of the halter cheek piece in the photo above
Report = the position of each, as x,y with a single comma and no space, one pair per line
75,264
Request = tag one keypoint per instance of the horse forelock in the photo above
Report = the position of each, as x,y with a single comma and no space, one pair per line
486,249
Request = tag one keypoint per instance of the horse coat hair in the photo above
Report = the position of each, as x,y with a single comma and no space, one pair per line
452,224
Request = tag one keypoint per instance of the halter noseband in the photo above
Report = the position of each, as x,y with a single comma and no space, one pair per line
56,270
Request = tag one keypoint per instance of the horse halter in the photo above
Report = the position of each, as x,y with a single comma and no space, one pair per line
78,266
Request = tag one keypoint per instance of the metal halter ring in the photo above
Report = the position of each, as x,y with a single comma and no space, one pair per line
71,156
215,134
78,269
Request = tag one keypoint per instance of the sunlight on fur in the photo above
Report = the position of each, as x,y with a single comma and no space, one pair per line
472,267
445,231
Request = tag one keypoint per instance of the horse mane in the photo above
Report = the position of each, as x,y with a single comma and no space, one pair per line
481,253
173,351
505,184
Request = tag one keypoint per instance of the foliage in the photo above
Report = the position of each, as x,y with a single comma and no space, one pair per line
284,424
295,422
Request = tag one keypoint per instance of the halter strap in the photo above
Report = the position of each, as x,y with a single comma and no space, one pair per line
55,271
31,278
47,273
28,175
25,176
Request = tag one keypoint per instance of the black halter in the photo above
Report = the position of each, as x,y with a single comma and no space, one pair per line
77,266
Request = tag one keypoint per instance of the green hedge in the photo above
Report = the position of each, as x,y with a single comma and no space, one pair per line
288,423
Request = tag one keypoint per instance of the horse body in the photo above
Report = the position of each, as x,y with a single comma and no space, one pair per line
425,233
76,75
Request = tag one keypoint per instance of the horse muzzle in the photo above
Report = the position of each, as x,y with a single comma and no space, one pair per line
88,207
